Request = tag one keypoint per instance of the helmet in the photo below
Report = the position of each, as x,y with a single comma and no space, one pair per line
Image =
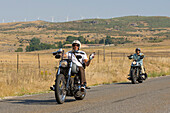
137,49
77,42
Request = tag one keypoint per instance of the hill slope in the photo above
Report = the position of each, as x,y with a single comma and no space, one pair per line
135,28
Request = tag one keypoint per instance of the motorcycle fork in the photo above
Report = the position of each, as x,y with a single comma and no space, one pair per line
137,73
69,75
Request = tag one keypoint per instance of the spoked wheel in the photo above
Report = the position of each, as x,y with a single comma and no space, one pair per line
134,76
60,89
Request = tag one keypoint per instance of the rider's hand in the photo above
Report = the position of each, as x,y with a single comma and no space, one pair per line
91,56
130,56
142,56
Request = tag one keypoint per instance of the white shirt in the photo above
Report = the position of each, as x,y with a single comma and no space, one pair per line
74,59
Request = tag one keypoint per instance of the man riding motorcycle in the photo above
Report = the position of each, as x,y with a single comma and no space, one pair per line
138,56
81,62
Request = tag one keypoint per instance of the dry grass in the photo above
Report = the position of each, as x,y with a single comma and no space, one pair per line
30,79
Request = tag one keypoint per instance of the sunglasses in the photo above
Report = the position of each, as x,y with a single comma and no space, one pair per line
75,45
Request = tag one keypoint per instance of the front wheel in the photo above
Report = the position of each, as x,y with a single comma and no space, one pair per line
134,76
60,89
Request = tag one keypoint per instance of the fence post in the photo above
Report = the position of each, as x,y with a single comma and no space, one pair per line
39,63
17,62
124,56
104,53
98,57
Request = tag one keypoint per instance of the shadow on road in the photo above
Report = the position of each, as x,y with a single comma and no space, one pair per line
123,83
36,102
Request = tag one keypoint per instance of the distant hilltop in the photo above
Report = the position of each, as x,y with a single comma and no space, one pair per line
135,28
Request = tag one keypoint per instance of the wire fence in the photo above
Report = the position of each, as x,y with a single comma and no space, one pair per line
46,61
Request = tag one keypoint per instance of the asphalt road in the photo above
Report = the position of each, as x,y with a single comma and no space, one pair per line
152,96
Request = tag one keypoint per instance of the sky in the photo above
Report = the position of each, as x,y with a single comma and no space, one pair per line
69,10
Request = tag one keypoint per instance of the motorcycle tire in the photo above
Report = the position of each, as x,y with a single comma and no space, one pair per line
60,89
134,76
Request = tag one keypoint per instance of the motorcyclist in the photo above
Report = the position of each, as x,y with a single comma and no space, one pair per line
81,63
138,56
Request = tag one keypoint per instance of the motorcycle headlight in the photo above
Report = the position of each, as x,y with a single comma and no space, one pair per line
63,63
134,63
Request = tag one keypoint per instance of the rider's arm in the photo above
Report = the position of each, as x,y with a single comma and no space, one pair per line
131,56
65,55
85,59
87,62
142,56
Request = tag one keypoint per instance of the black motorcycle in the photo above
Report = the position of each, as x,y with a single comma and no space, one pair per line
136,75
67,81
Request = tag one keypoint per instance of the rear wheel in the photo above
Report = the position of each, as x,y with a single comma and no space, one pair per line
134,76
60,89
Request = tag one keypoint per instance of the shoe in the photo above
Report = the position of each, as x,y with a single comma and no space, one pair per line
88,87
129,78
143,77
82,88
146,76
52,88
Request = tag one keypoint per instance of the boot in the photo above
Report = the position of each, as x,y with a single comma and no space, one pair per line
52,88
129,78
146,76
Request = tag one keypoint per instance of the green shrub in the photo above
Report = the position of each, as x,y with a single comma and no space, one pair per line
19,50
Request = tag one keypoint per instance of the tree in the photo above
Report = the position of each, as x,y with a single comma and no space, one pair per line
108,40
35,41
19,50
101,41
59,45
36,45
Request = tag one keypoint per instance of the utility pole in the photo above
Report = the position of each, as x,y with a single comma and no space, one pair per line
104,51
52,19
67,19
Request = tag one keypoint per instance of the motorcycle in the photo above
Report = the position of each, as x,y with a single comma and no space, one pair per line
136,75
67,81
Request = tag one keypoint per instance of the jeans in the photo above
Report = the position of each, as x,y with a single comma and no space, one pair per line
82,75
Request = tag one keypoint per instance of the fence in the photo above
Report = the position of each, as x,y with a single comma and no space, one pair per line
35,72
46,61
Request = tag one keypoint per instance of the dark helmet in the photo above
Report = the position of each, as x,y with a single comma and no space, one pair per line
137,49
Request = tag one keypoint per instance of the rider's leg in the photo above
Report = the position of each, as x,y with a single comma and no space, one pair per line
129,75
143,71
82,76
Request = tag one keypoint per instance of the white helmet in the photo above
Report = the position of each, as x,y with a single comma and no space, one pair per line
77,42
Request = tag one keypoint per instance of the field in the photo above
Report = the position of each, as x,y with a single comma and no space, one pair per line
34,72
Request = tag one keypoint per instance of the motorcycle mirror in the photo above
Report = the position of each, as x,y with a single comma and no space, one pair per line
57,56
57,52
54,53
60,50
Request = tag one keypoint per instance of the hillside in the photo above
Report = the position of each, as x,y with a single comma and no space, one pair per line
134,28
